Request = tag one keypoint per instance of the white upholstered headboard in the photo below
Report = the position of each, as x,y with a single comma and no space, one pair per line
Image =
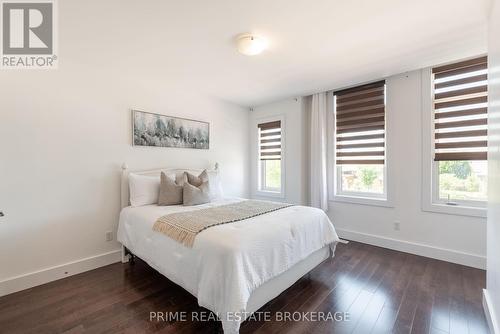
125,198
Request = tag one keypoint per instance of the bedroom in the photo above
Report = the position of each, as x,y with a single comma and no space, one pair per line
273,93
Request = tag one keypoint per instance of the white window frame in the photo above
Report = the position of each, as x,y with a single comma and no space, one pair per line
335,193
271,192
430,173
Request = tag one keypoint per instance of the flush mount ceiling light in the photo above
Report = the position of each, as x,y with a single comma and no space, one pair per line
251,45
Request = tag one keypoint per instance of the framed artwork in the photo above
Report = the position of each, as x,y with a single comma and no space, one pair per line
166,131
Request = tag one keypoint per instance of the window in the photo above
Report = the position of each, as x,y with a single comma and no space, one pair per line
360,141
270,157
460,99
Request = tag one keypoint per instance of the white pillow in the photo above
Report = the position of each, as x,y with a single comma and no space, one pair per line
144,189
215,185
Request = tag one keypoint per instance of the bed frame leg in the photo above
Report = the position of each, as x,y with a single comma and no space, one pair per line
124,257
129,254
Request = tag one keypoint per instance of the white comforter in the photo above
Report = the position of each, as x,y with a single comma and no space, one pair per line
227,262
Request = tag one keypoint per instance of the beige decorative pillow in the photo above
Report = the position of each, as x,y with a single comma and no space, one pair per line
197,180
170,190
193,195
180,178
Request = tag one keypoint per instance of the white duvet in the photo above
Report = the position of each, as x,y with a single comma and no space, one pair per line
227,262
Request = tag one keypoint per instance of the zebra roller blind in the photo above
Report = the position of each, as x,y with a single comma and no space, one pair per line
360,124
460,110
270,140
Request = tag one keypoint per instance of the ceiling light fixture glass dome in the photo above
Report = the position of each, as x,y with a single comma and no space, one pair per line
251,45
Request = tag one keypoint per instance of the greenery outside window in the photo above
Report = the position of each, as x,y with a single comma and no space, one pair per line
462,182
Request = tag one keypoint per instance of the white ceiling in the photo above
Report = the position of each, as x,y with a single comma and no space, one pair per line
314,45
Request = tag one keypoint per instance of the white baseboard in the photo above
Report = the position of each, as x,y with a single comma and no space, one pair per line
490,315
471,260
26,281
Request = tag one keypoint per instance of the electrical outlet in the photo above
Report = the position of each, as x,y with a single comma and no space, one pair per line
397,225
109,236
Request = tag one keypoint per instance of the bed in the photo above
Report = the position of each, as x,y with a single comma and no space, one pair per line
232,269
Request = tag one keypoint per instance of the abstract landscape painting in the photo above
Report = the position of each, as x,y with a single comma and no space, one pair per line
166,131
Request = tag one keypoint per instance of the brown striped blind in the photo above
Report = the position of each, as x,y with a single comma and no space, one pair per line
360,124
270,140
460,110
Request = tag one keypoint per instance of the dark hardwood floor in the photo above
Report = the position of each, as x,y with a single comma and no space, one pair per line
382,291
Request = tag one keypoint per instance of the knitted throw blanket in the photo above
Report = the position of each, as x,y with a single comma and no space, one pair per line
184,226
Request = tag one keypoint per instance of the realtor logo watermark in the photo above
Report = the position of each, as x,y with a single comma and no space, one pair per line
29,34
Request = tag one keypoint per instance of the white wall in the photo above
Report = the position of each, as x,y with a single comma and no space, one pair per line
454,238
493,231
65,133
295,148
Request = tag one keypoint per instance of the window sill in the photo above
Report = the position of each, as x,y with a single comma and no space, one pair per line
269,193
363,200
457,210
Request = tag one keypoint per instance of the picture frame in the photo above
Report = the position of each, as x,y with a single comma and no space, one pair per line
157,130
